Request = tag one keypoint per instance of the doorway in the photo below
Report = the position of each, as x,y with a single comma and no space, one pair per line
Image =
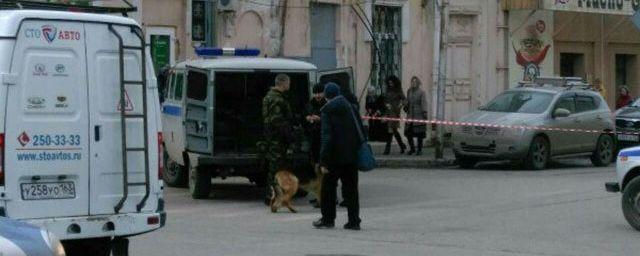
625,75
162,42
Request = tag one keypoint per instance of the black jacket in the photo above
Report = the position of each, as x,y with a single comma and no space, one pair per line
340,139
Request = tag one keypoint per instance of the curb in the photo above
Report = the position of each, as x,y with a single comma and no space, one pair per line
398,163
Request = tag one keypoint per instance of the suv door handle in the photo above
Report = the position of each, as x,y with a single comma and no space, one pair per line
577,120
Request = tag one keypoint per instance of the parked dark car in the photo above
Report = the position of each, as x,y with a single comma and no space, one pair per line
628,125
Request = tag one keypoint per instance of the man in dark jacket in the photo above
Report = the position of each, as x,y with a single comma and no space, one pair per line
339,157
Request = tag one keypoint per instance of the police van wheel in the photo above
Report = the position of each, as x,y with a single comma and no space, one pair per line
199,182
174,174
631,203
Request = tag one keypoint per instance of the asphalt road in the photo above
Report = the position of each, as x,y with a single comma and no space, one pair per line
489,211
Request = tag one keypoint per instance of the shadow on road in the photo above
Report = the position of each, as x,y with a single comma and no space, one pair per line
554,165
237,192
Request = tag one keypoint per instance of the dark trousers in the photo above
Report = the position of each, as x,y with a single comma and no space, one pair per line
395,135
348,175
419,139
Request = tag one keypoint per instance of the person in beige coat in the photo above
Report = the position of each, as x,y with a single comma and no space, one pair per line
416,108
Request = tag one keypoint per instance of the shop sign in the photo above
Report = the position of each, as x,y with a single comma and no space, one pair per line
617,7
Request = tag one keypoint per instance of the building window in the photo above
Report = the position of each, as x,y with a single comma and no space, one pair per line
572,65
387,33
202,22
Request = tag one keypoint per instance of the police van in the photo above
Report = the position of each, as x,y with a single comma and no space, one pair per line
628,183
212,113
80,128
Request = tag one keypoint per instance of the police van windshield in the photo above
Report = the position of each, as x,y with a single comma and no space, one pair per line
238,107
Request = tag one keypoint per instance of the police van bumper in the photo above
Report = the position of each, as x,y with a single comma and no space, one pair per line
116,225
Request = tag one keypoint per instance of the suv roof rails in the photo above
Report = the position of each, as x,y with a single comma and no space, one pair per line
41,5
564,82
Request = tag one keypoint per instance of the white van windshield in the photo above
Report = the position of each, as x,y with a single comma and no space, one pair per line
520,102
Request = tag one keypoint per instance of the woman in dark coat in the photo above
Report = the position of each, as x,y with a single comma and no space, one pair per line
375,108
416,108
394,100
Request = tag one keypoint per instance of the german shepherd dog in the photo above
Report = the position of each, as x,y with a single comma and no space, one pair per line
287,185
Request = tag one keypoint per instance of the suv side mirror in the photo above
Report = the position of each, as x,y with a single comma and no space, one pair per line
561,112
481,107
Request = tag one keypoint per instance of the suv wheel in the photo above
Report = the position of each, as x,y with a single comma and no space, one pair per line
538,155
466,162
199,182
174,175
603,155
631,203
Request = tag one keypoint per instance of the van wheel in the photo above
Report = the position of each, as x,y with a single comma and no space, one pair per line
199,182
539,153
174,174
95,246
603,155
631,203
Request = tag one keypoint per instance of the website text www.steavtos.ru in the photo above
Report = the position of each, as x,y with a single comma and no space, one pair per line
47,156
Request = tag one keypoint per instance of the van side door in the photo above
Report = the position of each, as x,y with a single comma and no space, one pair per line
172,116
199,111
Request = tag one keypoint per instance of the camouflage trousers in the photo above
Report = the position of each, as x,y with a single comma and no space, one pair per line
274,155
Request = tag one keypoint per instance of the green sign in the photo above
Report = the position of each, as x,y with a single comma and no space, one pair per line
160,51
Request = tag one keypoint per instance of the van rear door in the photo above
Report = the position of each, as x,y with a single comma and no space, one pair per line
47,150
106,163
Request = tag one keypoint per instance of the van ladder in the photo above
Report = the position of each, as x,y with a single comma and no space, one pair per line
124,116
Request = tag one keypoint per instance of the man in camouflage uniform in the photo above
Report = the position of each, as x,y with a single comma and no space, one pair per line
278,128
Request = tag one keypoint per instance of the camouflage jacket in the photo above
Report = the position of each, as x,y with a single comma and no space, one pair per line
277,116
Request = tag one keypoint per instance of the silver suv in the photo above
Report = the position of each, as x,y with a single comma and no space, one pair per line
549,103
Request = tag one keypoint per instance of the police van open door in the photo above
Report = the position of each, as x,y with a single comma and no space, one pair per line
342,76
199,112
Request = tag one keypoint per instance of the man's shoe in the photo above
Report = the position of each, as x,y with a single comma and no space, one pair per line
321,224
411,152
352,226
343,203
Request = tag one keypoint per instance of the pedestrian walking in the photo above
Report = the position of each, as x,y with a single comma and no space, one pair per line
374,106
339,158
393,99
416,108
624,97
278,129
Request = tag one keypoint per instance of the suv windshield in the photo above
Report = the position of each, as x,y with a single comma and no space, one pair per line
520,102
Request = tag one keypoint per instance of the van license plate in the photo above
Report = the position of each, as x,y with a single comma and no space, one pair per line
45,191
628,137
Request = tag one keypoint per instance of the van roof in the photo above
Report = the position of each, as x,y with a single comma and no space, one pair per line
248,63
10,20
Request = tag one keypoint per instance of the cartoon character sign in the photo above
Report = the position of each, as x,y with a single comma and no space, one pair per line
532,51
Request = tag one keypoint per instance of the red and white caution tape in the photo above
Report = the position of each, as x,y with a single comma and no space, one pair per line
519,127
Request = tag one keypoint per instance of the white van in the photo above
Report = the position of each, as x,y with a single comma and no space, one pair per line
80,130
212,115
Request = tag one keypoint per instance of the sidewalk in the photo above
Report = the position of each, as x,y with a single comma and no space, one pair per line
425,161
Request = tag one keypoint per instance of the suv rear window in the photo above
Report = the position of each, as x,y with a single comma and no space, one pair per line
586,103
520,102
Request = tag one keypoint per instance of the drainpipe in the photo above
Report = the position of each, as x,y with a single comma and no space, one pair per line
283,25
442,76
436,59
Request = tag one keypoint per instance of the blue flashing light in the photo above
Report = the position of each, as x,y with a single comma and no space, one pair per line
215,52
